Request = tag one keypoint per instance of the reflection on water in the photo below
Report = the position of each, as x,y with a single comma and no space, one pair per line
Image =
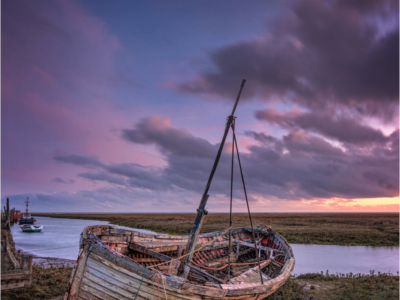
60,238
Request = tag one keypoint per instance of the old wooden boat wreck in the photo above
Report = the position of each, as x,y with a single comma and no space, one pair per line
240,263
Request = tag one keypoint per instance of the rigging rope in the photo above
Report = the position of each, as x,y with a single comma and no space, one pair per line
140,285
248,207
233,264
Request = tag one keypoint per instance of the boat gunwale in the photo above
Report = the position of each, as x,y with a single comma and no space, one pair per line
233,290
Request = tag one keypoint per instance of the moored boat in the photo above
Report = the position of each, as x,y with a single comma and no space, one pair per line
31,228
26,217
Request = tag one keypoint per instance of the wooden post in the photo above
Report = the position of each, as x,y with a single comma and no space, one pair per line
8,214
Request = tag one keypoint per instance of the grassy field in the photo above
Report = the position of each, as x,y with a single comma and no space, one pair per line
318,286
357,229
49,283
46,284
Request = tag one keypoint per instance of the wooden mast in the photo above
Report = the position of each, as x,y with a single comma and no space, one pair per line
194,232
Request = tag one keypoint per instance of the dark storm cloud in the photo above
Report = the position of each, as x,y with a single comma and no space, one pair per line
85,161
323,54
157,131
343,129
297,166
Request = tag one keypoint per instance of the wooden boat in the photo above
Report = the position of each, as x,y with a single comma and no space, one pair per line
31,228
246,263
125,264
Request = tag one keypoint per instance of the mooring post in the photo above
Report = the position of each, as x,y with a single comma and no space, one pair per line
8,214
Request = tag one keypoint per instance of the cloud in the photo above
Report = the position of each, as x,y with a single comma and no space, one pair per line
297,166
80,160
322,55
343,129
57,60
58,180
155,130
111,199
103,177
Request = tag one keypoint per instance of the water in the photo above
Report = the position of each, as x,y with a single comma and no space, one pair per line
60,238
345,259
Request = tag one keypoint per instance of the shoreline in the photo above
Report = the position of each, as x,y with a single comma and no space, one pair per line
48,262
50,270
350,229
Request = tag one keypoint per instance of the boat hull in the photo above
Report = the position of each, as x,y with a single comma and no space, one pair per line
32,228
23,221
102,273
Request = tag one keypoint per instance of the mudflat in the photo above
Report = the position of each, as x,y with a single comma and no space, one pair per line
356,229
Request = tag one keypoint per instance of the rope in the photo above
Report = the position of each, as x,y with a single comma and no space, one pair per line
165,293
140,285
247,202
232,264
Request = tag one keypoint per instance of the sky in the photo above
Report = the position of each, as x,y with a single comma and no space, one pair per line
120,106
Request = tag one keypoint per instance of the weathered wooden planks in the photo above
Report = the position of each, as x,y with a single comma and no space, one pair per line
251,276
109,275
14,285
267,288
114,239
127,280
16,274
174,265
140,248
202,273
78,274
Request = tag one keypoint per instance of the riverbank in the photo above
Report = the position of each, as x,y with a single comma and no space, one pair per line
49,283
352,229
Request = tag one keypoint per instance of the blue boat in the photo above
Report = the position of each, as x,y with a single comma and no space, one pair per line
31,228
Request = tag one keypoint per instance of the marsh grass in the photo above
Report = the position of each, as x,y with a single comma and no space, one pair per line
354,229
46,284
381,286
339,286
53,282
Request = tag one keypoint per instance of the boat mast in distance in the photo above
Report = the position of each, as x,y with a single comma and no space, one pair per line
194,232
27,202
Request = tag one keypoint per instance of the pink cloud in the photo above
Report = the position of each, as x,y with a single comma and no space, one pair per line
57,63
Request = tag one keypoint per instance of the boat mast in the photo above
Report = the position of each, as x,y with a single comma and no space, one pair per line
194,232
27,202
